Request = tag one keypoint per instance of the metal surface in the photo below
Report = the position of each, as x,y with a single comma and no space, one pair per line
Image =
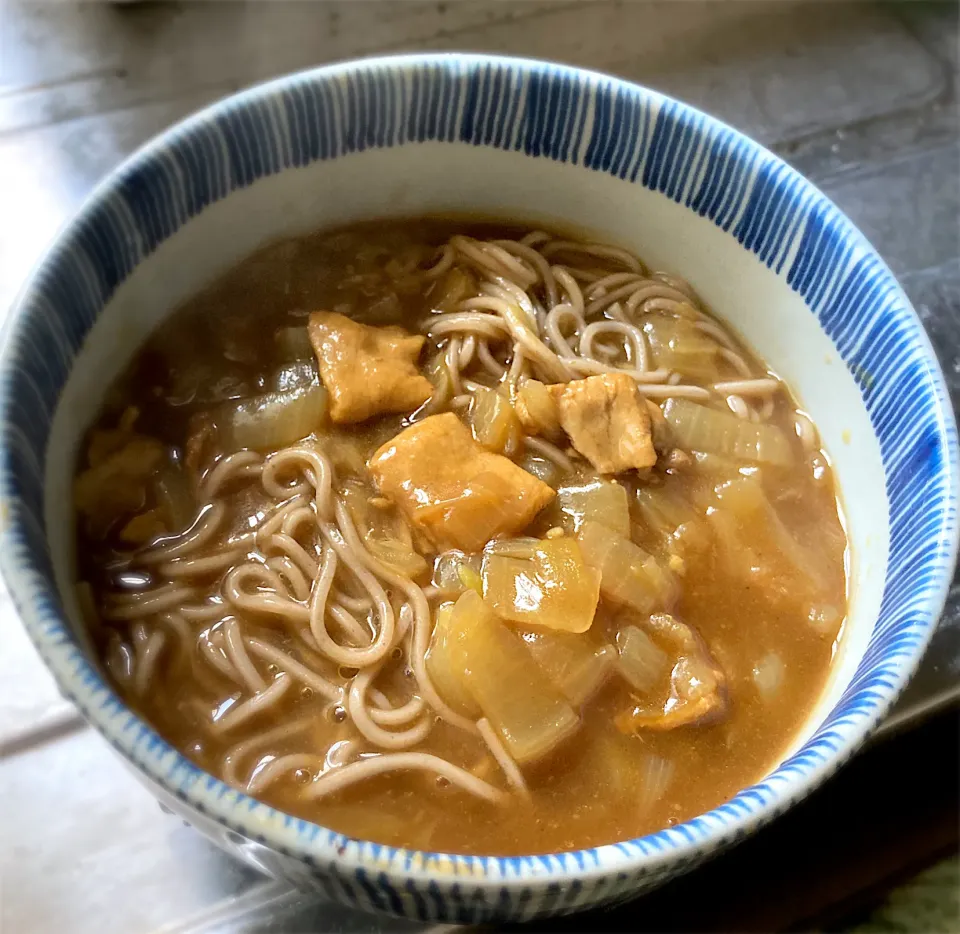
862,98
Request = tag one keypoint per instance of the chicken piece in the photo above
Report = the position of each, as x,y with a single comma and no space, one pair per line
117,485
144,528
104,442
659,427
697,683
454,492
607,421
367,371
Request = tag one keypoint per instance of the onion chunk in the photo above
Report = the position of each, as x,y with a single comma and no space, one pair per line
273,420
528,712
628,575
603,501
544,584
575,664
697,428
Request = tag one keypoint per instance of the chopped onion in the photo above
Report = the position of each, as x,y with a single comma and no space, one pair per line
527,711
825,618
673,518
715,466
641,661
384,532
755,543
513,547
117,486
444,663
768,674
628,575
698,428
743,496
451,289
299,375
345,450
664,509
494,423
603,501
697,683
550,586
438,373
270,421
656,774
678,344
540,467
448,568
294,343
397,555
174,496
575,664
537,409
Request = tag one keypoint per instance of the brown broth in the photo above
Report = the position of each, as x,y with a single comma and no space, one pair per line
221,346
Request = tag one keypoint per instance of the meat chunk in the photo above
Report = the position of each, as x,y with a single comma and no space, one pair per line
117,485
659,428
697,683
607,421
454,492
144,528
367,371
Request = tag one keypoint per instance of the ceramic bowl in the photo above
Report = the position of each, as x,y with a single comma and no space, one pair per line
519,139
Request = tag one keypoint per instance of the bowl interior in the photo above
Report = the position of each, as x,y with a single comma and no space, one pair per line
768,254
437,178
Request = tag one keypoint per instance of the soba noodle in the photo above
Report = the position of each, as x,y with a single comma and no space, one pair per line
550,329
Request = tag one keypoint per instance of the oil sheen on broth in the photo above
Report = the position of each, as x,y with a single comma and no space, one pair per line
433,518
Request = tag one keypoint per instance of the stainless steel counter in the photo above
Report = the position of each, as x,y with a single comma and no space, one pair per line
860,97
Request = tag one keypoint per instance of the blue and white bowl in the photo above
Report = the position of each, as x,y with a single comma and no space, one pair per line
519,139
